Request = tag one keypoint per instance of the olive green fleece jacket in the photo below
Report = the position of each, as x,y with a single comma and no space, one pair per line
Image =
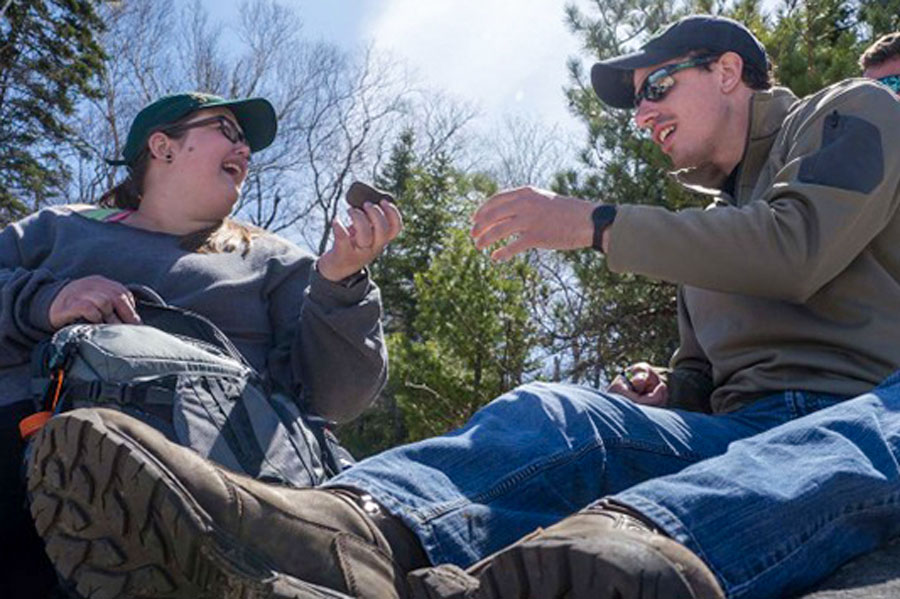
793,283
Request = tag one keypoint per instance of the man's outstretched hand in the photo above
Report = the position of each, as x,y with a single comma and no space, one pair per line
532,218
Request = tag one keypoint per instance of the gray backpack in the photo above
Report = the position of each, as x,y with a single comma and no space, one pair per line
180,374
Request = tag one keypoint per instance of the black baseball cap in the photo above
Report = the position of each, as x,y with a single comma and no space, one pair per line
255,116
612,78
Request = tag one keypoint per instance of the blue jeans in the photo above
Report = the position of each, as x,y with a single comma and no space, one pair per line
773,497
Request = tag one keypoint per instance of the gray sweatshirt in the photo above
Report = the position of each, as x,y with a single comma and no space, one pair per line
321,340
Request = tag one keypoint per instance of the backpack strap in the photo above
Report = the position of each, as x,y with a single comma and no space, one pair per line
29,425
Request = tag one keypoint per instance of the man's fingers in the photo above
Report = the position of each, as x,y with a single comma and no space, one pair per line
498,232
619,385
493,203
659,396
639,381
508,251
642,376
489,214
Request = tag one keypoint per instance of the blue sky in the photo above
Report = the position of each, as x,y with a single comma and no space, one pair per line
509,56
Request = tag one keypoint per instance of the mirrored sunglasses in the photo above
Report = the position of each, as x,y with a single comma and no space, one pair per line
660,82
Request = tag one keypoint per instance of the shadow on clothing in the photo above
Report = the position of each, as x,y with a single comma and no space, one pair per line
25,571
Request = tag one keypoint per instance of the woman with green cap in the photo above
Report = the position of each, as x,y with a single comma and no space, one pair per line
309,325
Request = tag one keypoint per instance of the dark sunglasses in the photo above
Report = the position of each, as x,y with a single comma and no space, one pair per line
659,82
226,126
892,81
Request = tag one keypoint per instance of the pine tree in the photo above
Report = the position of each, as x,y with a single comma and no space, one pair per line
48,56
457,326
600,321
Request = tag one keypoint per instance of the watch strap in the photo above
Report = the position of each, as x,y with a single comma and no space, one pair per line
602,216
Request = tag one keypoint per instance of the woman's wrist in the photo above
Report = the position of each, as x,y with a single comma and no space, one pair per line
345,277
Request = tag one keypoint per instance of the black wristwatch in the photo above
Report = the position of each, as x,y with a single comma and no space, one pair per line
603,216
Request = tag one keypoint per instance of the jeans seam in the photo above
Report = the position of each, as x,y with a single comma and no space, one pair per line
531,470
688,456
424,515
825,525
791,400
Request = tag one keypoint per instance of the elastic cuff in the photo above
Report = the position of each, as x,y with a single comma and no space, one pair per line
615,231
39,310
345,292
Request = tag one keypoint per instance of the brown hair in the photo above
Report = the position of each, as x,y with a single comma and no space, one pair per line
884,49
226,236
752,76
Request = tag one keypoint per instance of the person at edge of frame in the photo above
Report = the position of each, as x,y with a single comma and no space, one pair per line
310,326
789,310
881,61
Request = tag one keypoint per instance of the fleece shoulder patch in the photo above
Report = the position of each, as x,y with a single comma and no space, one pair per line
851,156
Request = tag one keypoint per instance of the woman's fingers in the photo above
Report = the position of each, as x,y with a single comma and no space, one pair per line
124,308
363,236
394,218
95,299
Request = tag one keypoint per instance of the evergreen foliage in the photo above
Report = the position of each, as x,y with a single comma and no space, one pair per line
48,57
461,330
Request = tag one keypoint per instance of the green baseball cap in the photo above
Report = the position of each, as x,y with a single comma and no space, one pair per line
255,116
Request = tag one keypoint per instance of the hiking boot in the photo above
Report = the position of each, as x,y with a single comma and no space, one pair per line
126,513
602,552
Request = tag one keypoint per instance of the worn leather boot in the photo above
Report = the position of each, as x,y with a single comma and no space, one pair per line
126,513
602,552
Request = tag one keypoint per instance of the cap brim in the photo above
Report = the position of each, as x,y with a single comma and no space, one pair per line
612,78
257,119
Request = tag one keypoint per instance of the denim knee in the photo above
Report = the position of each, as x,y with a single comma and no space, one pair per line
580,412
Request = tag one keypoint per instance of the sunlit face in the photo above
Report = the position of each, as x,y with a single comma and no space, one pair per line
687,120
211,161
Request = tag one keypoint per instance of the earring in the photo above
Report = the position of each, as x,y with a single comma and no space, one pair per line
168,158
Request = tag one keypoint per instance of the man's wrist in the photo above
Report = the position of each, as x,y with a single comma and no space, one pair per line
602,217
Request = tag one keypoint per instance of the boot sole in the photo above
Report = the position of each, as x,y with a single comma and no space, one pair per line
117,524
603,568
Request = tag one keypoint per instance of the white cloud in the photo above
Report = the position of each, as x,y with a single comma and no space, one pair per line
507,55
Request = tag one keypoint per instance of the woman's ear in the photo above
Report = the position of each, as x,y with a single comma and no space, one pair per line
731,67
160,146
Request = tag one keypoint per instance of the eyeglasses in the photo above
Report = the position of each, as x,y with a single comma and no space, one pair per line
226,127
892,81
659,82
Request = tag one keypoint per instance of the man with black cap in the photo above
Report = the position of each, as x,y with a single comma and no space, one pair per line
789,306
789,311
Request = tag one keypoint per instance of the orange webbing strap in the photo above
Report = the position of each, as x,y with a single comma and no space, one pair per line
32,424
